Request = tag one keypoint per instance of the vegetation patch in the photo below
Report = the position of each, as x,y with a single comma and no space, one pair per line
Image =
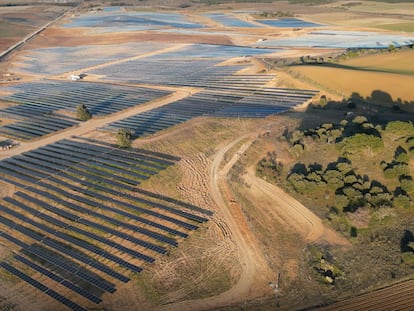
360,188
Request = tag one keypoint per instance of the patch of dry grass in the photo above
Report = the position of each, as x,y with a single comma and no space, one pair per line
392,73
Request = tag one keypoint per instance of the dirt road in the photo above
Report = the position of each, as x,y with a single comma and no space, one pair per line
288,210
255,273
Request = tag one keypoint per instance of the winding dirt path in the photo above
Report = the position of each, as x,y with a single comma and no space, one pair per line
290,211
255,273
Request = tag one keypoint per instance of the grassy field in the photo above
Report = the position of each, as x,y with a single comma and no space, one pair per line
406,26
392,73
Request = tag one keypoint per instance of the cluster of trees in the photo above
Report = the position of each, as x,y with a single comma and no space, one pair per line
267,14
123,136
351,190
350,136
270,166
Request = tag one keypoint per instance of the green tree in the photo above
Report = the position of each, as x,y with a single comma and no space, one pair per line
361,141
341,201
407,185
83,113
123,137
400,127
402,201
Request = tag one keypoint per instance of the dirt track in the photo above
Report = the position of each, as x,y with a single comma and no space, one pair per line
288,210
256,274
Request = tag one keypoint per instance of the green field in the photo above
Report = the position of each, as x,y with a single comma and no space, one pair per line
407,27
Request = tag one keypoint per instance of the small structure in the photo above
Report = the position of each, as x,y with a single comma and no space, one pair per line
74,77
77,77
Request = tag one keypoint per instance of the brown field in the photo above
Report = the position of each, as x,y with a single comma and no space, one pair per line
392,73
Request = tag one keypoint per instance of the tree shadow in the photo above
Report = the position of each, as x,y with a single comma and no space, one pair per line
379,108
405,241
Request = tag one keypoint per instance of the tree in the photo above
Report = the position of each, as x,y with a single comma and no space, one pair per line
124,137
83,113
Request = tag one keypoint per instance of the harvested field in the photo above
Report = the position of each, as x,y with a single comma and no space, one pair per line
396,297
391,73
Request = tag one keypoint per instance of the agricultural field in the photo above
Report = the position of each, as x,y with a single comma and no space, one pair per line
389,73
206,155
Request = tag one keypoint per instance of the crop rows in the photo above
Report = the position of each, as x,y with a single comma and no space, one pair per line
395,297
40,104
78,219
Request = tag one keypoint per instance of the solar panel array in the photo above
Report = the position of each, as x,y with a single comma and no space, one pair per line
342,40
131,21
40,104
232,99
78,220
159,71
62,59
